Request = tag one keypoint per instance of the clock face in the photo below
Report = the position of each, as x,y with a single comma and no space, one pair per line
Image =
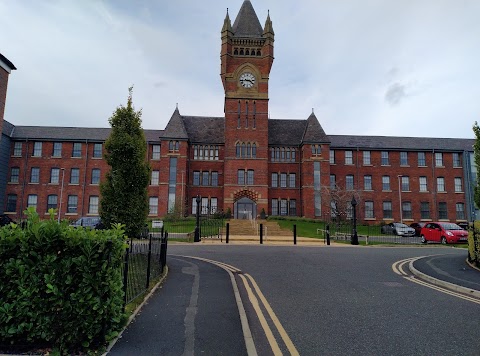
247,80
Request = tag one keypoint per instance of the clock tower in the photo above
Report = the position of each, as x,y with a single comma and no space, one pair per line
246,60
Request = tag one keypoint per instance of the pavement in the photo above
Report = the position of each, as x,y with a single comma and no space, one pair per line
451,271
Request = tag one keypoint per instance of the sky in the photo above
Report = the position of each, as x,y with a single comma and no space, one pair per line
370,67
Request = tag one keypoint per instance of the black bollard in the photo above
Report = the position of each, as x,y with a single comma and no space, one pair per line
294,234
228,233
328,234
261,234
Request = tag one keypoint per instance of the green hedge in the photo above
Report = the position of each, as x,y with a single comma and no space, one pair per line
60,286
474,250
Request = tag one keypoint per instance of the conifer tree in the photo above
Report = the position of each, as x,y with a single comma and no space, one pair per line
124,197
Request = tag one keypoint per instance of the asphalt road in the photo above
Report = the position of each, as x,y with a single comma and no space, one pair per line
329,300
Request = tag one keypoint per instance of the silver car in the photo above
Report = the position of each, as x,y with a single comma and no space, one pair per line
398,229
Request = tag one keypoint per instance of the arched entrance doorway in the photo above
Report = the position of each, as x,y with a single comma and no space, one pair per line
245,208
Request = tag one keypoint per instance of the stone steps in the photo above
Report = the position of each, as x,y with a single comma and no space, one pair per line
245,228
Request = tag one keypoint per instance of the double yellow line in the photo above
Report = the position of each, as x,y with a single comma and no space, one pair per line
257,304
398,268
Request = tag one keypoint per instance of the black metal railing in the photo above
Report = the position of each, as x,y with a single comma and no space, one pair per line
145,260
367,234
212,226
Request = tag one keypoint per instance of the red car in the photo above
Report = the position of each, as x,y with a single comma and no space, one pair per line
443,232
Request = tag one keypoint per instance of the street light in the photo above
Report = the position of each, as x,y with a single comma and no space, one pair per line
400,196
61,194
354,237
196,236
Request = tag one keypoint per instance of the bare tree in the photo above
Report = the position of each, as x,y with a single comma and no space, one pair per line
341,202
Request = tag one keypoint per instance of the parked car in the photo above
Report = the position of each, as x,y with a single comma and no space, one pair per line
464,225
5,220
418,227
398,229
92,222
443,232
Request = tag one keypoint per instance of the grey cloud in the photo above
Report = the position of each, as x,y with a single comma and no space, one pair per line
159,84
395,93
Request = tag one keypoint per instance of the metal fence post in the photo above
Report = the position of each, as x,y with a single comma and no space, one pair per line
227,233
328,234
294,234
148,260
261,234
163,253
125,277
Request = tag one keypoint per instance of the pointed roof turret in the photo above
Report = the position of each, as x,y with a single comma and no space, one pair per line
227,25
247,24
314,132
268,29
175,127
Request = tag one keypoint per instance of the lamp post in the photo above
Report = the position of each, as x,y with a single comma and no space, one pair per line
400,196
61,194
196,237
354,237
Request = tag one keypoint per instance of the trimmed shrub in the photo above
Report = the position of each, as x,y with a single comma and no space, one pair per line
60,286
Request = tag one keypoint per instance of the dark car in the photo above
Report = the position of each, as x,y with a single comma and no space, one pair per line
444,232
398,229
5,220
417,226
93,222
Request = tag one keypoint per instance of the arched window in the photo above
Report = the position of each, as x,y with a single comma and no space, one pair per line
282,154
246,114
238,110
253,52
237,149
235,52
287,154
258,53
244,148
272,154
200,152
195,152
211,153
249,150
293,155
254,150
277,154
205,153
254,112
241,51
177,145
247,52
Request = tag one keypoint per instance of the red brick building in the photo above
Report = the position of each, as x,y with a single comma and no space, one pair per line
246,162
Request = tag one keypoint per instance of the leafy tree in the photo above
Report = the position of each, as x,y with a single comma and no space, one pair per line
124,197
476,154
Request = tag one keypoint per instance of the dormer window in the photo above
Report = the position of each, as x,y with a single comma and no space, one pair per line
173,146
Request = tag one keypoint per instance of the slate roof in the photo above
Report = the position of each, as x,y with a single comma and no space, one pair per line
247,24
202,129
211,130
314,132
286,132
66,133
401,143
7,62
175,127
